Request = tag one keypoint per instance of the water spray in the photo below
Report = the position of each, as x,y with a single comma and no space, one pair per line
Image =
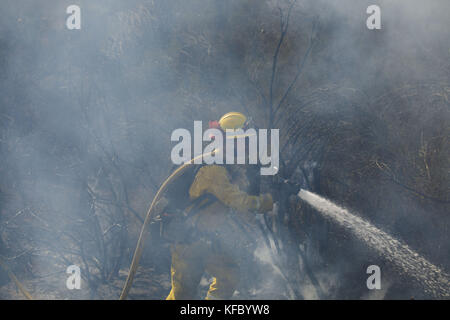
435,281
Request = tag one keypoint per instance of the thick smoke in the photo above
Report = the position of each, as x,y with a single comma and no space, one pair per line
86,115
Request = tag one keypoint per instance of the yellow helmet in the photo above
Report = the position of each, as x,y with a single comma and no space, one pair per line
232,120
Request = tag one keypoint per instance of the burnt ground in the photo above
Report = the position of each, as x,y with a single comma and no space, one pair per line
147,285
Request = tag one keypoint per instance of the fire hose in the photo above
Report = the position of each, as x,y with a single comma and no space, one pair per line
148,218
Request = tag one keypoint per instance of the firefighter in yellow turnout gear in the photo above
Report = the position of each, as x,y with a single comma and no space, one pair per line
229,218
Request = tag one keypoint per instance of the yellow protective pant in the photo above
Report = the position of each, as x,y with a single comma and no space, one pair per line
190,261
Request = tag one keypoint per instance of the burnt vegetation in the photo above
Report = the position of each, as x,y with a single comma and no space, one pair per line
86,118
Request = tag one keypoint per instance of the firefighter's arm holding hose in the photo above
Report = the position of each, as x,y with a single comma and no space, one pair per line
216,181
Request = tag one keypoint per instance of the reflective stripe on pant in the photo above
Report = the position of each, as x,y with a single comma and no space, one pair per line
190,261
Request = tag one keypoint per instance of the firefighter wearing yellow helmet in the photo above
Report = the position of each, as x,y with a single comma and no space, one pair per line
223,219
232,120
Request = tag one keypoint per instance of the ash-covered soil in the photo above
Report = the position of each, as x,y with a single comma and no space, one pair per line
147,285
